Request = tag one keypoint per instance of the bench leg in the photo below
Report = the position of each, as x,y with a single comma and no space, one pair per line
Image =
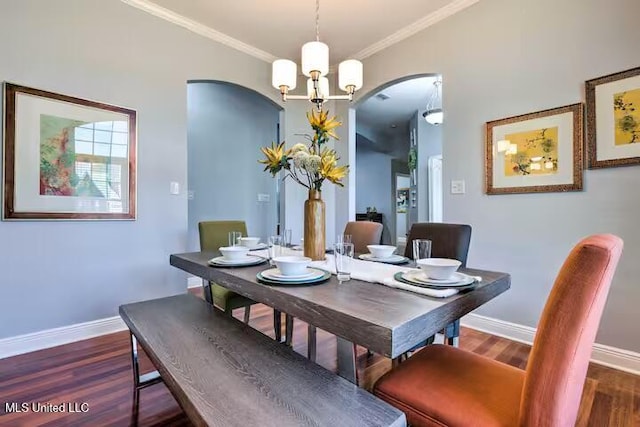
347,360
140,381
277,324
311,343
247,314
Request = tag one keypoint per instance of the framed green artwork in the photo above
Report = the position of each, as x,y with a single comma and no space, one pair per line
67,158
613,119
536,152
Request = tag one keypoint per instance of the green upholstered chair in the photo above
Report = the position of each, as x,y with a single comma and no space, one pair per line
213,235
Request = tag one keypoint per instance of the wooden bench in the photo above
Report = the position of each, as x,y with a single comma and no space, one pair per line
224,373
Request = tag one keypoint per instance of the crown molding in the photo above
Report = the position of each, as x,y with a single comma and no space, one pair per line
198,28
217,36
411,29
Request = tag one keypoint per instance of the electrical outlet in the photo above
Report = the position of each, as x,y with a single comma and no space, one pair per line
264,197
457,187
191,195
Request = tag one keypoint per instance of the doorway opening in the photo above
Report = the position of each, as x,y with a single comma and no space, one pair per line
226,126
393,144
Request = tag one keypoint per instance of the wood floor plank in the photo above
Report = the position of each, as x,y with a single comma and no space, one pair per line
98,372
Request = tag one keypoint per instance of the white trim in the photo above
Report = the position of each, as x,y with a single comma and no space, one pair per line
201,29
414,28
208,32
54,337
617,358
194,282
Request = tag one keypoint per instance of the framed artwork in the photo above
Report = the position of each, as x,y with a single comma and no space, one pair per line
536,152
402,200
67,158
613,119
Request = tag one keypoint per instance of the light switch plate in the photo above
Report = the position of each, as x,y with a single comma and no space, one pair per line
174,188
191,195
264,197
457,187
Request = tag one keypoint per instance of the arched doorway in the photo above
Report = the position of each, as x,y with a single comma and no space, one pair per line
389,131
227,125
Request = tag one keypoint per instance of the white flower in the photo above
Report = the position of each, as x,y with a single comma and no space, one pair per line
299,148
300,158
312,163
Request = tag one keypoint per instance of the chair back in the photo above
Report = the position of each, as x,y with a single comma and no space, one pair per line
363,233
215,234
447,240
559,359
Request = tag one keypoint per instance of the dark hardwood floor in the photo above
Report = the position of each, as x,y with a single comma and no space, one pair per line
98,372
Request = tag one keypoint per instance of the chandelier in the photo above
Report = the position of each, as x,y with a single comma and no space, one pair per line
315,65
434,114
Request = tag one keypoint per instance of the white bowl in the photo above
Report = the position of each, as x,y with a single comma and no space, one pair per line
234,253
250,242
381,251
292,265
438,268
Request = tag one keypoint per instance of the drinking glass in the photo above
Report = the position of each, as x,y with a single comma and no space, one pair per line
343,238
275,247
234,238
287,237
344,255
421,249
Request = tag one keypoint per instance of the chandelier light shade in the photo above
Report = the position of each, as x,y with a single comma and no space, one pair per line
434,114
284,73
315,65
315,57
350,74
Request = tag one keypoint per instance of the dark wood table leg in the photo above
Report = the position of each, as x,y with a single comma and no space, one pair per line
311,343
347,360
452,334
288,333
277,324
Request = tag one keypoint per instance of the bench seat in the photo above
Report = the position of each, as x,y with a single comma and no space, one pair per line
223,373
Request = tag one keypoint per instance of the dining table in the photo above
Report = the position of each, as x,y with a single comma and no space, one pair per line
383,319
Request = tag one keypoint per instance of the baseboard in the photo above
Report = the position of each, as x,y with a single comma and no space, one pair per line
612,357
21,344
194,282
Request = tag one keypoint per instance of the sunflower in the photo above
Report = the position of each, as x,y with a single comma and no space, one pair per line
276,158
322,124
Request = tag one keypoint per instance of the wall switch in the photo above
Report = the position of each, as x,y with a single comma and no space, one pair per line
264,197
191,195
457,187
174,188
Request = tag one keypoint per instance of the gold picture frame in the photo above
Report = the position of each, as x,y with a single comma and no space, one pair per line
67,158
613,119
536,152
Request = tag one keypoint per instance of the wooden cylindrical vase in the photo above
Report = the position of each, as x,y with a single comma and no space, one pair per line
314,226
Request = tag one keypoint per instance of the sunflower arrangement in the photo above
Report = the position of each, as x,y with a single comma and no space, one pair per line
309,165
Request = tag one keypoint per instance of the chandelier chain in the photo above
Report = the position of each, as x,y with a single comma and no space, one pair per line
317,20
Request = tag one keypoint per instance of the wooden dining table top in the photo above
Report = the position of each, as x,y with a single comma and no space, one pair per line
385,320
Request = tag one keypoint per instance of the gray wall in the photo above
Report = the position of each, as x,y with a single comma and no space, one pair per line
429,144
501,58
60,273
227,125
373,186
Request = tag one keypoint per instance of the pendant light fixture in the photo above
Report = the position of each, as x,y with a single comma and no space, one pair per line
434,114
315,65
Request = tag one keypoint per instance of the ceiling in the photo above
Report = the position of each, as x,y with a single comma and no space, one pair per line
278,28
404,99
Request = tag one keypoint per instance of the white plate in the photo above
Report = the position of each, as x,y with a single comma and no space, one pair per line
457,279
274,274
258,247
249,260
392,258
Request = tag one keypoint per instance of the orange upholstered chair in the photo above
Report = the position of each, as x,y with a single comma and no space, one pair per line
445,386
363,233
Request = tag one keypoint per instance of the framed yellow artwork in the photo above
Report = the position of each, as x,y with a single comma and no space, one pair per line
613,119
535,153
